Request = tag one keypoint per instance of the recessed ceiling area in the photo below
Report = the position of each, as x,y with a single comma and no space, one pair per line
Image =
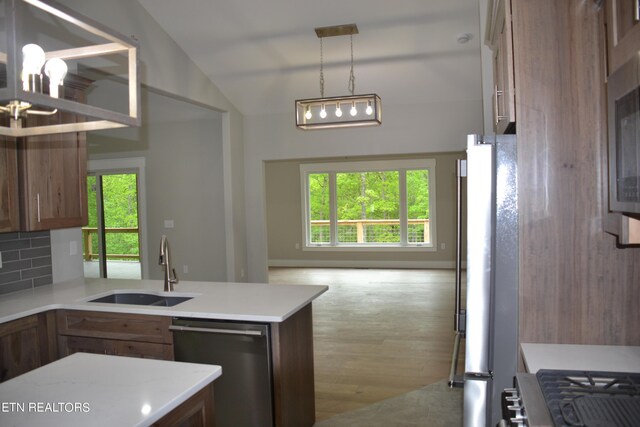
263,55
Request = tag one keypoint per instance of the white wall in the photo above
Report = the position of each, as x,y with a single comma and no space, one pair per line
163,65
428,128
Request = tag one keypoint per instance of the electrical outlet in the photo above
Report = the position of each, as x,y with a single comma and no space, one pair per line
443,246
297,245
185,269
242,273
168,223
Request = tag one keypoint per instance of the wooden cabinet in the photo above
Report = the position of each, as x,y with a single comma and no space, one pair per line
197,411
53,171
623,31
119,334
499,38
9,220
26,344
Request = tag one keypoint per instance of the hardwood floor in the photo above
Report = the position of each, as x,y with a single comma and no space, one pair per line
377,333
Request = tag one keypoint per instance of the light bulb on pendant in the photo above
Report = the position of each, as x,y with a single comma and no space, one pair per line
308,115
354,110
56,70
323,112
369,109
338,110
33,58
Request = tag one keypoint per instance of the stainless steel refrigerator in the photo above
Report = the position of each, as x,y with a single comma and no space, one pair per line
491,311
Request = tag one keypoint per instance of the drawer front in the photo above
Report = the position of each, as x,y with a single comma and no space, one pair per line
118,326
74,344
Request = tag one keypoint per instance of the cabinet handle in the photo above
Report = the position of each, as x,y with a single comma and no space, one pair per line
38,205
636,8
496,111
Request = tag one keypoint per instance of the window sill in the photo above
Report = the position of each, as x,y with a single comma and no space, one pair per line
362,248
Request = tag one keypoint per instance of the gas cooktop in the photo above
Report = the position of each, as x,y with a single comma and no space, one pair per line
591,398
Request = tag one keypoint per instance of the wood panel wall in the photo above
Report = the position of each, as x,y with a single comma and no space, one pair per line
575,285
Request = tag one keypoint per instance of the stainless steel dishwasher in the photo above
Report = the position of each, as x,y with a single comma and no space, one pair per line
243,394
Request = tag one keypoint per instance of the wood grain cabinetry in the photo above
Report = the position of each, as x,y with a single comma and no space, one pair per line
623,31
53,171
119,334
499,38
26,344
9,219
197,411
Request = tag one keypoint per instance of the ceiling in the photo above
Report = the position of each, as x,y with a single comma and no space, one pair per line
265,54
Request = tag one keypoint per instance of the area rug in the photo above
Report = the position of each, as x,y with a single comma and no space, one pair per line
435,405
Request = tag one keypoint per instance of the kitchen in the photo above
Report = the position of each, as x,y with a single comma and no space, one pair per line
576,289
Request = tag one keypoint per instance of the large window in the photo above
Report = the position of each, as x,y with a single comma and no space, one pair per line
376,204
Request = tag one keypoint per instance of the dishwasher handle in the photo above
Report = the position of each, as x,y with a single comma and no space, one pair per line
216,330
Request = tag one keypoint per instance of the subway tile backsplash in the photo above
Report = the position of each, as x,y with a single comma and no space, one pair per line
26,260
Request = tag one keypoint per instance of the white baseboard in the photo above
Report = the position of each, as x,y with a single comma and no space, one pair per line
362,264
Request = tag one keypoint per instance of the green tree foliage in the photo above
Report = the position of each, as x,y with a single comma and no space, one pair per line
119,195
371,196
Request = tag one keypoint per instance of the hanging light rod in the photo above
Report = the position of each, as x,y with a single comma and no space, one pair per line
327,112
337,30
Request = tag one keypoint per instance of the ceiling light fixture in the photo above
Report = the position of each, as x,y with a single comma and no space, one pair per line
46,46
326,113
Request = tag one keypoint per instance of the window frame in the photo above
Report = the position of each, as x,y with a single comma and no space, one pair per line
401,166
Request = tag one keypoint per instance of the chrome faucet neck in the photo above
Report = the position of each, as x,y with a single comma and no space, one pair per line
170,277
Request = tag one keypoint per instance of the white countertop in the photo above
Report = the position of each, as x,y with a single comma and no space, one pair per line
611,358
97,390
212,300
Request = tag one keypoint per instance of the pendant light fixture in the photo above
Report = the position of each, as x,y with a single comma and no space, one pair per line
45,47
338,111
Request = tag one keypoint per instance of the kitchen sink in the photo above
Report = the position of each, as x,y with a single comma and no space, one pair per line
140,298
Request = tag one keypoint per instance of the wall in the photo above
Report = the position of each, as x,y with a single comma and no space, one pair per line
26,260
164,66
575,285
406,129
285,219
184,183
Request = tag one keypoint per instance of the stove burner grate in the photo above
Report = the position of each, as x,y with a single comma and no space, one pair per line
591,398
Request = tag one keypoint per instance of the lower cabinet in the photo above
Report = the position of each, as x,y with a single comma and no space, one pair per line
26,344
197,411
118,334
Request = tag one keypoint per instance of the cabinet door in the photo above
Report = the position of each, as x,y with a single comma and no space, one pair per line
9,220
24,346
503,71
623,31
53,181
73,344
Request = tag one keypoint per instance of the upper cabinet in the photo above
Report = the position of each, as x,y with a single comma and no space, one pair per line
9,220
499,38
43,179
623,31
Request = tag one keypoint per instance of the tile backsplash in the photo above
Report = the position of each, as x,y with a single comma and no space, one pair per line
26,260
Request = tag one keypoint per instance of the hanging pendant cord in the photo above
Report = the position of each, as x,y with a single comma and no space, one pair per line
352,77
321,72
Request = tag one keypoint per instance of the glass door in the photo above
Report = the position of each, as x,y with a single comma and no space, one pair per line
111,240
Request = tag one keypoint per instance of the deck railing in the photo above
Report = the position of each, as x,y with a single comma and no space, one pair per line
362,235
87,240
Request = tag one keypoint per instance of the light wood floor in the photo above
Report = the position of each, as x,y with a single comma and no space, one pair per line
377,333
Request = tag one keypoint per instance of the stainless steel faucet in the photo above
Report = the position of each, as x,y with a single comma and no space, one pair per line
165,260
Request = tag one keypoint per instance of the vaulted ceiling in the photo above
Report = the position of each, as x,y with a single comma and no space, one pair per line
264,54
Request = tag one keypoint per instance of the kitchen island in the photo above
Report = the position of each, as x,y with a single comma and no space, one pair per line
97,390
40,325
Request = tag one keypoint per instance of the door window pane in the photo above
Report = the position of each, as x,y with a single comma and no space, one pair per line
319,208
418,206
368,206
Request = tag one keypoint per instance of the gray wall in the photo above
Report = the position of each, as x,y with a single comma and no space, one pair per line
285,218
166,67
184,183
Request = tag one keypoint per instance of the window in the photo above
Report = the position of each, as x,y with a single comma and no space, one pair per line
370,204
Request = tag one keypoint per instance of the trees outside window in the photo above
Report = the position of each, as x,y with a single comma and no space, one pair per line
369,204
